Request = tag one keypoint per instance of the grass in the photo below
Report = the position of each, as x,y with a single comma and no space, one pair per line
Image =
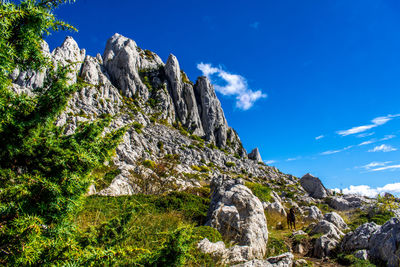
104,175
146,224
261,191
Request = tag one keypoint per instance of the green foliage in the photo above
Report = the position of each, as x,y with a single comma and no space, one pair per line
149,164
375,215
351,260
160,145
276,247
185,78
200,168
104,175
138,127
230,164
43,173
260,191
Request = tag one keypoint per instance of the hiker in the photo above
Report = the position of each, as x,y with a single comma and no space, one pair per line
291,219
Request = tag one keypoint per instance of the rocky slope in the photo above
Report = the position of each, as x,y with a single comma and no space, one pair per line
178,138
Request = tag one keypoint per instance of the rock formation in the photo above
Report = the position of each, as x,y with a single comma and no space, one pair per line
255,155
313,186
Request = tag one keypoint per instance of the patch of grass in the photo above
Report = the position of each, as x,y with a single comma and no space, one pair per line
377,216
351,260
149,164
104,175
138,127
261,191
276,247
230,164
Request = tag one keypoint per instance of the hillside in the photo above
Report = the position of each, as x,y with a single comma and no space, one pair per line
180,166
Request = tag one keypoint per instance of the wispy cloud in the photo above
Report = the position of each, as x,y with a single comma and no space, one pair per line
375,123
383,148
366,143
319,137
366,190
365,134
254,25
390,167
292,159
268,162
329,152
388,137
374,164
235,85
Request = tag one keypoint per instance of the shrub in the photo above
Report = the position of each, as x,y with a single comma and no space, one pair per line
230,164
138,127
149,164
260,191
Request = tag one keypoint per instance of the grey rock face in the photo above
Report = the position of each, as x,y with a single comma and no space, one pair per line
347,202
275,207
255,155
385,243
361,254
283,260
183,96
314,214
211,114
313,186
123,61
335,218
323,246
359,238
238,215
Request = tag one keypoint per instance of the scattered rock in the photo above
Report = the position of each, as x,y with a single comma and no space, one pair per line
238,215
255,155
359,238
300,262
327,228
275,207
336,219
347,202
313,186
323,246
314,214
361,254
284,260
385,243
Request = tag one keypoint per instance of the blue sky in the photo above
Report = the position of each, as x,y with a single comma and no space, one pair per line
286,71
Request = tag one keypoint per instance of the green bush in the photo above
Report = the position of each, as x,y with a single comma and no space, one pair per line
149,164
138,127
276,247
230,164
260,191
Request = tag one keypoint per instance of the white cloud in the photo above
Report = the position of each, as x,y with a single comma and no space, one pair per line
268,162
292,159
329,152
374,164
254,25
365,134
388,137
366,143
391,167
319,137
235,85
366,190
383,148
375,123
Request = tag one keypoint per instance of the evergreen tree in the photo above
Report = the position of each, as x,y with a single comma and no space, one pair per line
44,174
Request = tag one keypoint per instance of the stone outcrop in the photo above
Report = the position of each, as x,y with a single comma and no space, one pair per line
336,219
359,238
314,214
239,216
328,241
314,186
384,244
347,202
255,155
283,260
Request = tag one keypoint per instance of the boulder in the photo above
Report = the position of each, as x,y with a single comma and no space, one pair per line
327,228
361,254
276,208
335,218
238,215
283,260
255,155
314,214
359,238
347,202
323,246
384,244
313,186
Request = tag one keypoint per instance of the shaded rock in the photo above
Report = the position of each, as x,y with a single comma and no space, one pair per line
385,243
275,207
300,262
238,215
346,202
361,254
328,229
211,114
313,186
336,219
283,260
255,155
323,246
314,214
359,238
